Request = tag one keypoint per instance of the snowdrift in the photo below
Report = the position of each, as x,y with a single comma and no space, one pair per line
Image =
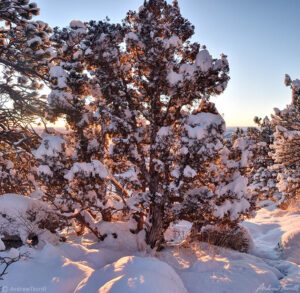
290,245
133,274
20,217
85,265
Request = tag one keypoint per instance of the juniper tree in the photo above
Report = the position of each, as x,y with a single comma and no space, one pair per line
263,179
146,88
24,56
71,172
252,148
136,98
286,145
215,197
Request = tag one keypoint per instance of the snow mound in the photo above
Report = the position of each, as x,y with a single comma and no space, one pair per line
268,228
14,204
13,253
46,270
205,268
177,232
276,235
290,244
241,275
119,236
133,274
15,220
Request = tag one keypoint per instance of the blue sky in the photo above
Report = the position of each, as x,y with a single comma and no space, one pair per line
260,37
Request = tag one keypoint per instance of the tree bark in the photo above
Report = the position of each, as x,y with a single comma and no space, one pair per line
154,235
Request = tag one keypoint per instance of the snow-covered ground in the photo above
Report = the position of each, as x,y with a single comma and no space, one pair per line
83,265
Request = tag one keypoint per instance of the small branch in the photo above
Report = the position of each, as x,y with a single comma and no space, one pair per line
7,261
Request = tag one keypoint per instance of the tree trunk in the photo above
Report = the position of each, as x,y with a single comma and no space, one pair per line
154,235
195,229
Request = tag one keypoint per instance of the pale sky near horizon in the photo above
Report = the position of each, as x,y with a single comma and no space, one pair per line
260,37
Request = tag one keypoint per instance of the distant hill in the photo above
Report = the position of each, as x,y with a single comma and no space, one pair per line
231,130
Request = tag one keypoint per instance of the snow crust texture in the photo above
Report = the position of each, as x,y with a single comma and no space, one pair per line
84,265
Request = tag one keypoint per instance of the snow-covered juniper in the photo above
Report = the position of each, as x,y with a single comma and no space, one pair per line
145,143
